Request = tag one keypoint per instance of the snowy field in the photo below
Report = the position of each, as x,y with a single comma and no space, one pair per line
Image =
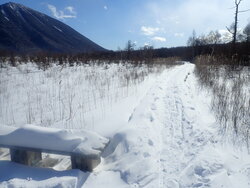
162,130
94,96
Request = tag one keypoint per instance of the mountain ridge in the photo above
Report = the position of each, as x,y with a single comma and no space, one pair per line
25,30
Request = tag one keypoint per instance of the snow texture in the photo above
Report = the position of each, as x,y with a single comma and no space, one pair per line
57,28
170,140
29,136
16,175
3,12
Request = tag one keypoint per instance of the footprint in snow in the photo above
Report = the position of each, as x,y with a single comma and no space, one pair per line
200,171
150,142
146,154
153,107
151,118
172,184
156,98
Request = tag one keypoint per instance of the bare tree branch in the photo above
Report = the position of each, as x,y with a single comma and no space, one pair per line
229,30
237,2
244,10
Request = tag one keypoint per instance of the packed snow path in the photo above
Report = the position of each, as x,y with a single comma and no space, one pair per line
172,141
183,134
181,125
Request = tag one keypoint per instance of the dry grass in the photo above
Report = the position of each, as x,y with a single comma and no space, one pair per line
230,88
68,94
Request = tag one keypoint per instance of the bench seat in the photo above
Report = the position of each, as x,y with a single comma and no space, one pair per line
26,144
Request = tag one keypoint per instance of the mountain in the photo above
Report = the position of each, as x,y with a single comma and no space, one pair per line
24,30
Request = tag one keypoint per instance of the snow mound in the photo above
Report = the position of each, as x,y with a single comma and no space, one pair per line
17,175
72,141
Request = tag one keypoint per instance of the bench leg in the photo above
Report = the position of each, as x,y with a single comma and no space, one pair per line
84,164
25,157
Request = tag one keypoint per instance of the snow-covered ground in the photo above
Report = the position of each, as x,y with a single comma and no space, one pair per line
94,96
167,137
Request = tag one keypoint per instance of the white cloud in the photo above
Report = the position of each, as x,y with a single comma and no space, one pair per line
149,30
59,14
71,10
184,16
105,7
223,31
179,34
160,39
226,36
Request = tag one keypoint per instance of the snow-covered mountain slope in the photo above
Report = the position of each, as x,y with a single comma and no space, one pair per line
25,30
170,140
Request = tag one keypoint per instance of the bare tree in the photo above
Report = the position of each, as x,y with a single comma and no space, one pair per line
192,39
234,27
147,53
129,48
246,31
214,37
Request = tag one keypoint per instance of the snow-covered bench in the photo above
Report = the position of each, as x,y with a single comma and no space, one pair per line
28,142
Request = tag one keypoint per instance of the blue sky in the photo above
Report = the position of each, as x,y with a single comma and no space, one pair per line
161,23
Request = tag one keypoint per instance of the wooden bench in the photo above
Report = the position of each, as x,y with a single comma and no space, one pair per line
27,144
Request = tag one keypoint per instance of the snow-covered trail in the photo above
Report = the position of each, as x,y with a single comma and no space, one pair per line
183,134
182,128
165,133
172,140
